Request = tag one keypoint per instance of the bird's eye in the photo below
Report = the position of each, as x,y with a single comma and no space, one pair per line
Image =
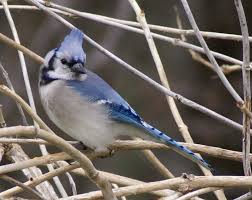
63,61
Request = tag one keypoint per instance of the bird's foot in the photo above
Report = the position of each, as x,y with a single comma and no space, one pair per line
105,153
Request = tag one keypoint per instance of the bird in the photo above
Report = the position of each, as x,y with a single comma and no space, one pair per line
87,108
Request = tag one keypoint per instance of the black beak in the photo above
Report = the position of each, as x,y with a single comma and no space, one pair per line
78,68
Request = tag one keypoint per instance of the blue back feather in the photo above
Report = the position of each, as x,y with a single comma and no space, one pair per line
95,89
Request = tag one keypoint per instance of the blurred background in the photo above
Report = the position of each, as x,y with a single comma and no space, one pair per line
42,33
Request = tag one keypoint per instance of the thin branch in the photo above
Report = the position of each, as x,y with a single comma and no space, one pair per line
20,54
22,48
23,164
112,177
195,56
116,187
16,154
184,184
72,183
219,194
183,128
29,141
157,164
23,186
246,87
159,66
227,69
123,145
10,85
209,54
173,41
246,196
188,32
85,163
39,121
197,193
121,180
5,90
199,148
36,181
28,89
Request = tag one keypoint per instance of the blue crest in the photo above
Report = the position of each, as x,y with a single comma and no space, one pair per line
72,45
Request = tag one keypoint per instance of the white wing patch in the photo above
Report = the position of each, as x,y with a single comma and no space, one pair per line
102,101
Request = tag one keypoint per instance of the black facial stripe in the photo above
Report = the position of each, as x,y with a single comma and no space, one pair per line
51,61
45,78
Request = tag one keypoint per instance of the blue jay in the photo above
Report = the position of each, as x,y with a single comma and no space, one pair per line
84,106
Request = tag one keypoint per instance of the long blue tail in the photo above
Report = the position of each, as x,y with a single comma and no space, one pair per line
160,136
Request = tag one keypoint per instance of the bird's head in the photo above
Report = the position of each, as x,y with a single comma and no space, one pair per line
67,62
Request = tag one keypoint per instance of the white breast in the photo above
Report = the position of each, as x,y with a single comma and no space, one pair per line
82,120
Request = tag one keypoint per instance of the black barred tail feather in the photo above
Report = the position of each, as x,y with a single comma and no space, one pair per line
175,145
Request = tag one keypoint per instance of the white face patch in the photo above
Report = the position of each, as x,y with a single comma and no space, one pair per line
66,76
60,68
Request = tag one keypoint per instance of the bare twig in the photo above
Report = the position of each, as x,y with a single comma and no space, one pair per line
157,164
246,196
116,187
72,183
20,54
112,177
159,66
150,155
123,145
25,50
182,184
219,193
10,85
23,186
197,193
50,167
246,87
210,56
16,154
29,141
188,32
196,56
227,69
36,181
85,163
182,127
173,41
28,88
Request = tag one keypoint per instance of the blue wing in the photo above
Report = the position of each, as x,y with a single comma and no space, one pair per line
97,90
